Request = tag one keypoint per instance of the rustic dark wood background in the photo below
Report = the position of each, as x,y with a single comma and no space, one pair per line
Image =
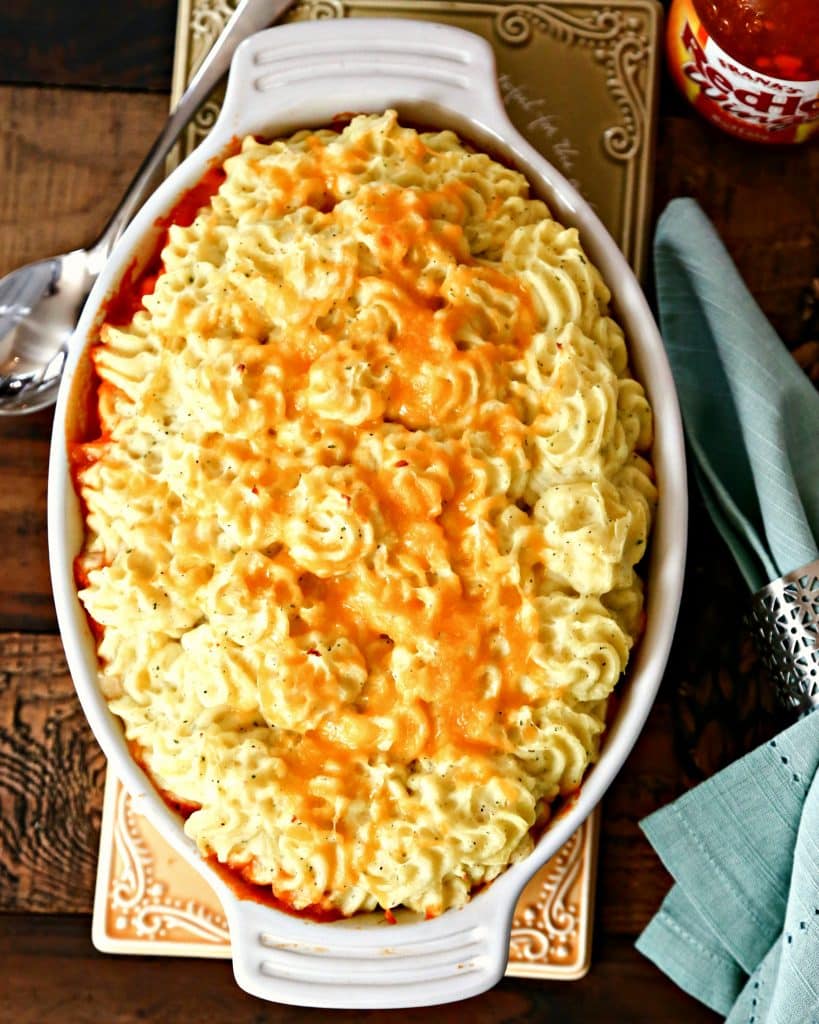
83,91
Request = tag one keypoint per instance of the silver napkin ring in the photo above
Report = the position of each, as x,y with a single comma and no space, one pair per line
785,619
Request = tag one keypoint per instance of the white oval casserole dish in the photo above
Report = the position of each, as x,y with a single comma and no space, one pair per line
281,80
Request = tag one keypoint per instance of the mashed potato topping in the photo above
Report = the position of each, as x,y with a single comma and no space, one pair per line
363,519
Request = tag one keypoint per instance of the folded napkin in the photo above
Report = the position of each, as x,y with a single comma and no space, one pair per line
740,929
751,415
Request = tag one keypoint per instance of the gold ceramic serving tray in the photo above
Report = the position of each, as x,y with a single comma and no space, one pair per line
579,81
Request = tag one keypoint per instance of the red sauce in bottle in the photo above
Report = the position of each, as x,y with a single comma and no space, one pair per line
749,66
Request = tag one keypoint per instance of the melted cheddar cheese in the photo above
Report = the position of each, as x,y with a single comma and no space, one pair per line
363,520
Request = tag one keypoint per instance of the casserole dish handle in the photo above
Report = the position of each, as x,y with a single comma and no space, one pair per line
374,966
367,66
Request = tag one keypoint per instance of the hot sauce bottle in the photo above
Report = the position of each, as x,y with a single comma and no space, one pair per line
749,66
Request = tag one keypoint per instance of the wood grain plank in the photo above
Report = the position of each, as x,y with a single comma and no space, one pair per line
53,974
67,157
25,588
764,201
51,775
92,43
59,183
631,881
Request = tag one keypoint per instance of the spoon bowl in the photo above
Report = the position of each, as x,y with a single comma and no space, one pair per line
40,304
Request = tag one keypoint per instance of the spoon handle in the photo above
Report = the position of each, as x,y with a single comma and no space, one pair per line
249,17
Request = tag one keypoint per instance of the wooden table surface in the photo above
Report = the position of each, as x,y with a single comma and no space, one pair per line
83,91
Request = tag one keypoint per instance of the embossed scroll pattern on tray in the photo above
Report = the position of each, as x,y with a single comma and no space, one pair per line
598,131
142,901
149,900
550,920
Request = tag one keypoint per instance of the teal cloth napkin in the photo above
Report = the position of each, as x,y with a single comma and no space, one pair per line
751,415
740,928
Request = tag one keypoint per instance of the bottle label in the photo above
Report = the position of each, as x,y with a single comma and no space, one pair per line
744,102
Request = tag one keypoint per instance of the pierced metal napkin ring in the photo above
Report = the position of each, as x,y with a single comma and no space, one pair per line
785,619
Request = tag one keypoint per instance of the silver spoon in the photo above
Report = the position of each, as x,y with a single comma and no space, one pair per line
41,302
